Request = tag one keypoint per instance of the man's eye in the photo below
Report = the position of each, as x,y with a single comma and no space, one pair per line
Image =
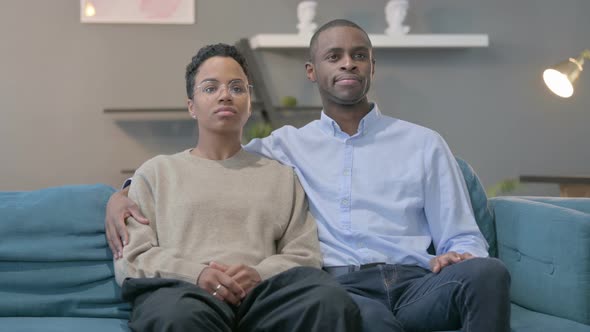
332,57
360,56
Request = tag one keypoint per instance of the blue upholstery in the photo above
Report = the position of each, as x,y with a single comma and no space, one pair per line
54,259
545,244
546,248
524,320
62,324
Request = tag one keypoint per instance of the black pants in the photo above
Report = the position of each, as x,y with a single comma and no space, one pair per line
300,299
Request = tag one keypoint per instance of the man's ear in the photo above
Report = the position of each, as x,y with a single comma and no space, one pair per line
310,71
191,109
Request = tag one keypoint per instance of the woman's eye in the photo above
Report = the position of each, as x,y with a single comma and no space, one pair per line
237,89
209,89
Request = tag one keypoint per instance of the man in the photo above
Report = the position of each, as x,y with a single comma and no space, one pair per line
216,256
382,191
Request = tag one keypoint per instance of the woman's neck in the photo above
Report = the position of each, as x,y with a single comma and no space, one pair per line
219,147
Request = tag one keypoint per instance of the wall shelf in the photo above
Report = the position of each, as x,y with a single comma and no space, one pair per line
181,113
148,113
380,41
145,110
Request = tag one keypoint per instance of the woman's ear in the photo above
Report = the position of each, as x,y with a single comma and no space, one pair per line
191,109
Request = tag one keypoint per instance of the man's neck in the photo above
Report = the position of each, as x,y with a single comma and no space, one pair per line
217,147
348,117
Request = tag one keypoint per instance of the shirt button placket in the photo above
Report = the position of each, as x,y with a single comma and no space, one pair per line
346,181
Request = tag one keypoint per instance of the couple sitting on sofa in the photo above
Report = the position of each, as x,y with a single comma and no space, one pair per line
230,243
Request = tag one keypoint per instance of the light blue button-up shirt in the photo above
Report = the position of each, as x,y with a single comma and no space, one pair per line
381,195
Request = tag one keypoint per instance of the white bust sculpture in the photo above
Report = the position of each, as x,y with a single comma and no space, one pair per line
305,15
395,13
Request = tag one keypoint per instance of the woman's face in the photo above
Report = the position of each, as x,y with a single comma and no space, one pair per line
221,99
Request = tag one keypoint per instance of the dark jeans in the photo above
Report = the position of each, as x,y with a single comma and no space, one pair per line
300,299
472,296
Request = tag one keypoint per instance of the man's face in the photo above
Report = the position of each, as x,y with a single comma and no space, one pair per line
342,65
221,99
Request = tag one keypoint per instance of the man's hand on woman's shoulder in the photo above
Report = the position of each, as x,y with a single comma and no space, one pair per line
119,208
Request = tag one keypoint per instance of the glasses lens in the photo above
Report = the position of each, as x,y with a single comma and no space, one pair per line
238,88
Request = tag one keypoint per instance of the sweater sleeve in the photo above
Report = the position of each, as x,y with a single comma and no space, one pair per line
142,256
299,244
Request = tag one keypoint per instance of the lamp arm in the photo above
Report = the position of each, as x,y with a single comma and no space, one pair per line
585,54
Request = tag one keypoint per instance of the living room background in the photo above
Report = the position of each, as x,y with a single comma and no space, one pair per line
490,104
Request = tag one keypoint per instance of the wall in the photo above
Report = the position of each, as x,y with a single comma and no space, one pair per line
57,76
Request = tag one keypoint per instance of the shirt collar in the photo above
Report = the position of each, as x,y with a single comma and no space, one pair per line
329,126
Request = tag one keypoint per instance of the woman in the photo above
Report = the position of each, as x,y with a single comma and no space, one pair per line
231,244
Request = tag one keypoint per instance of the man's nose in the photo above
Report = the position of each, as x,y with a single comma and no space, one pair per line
348,63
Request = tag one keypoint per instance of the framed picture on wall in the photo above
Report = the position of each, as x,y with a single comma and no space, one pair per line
138,11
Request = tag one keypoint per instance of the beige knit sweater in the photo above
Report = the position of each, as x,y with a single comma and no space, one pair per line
246,209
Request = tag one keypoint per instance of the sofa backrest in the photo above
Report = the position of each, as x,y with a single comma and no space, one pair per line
54,258
483,213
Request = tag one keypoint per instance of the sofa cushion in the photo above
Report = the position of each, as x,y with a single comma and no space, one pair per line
479,202
54,259
524,320
546,248
62,324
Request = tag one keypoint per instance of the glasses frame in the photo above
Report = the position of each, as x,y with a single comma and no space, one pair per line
225,86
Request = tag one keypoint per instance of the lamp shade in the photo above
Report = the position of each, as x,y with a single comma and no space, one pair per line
560,78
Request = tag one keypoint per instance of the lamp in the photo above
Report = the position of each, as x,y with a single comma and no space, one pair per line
561,77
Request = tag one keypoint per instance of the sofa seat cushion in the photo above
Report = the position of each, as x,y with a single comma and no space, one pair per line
62,324
54,258
524,320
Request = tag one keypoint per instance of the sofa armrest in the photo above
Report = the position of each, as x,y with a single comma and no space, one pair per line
545,244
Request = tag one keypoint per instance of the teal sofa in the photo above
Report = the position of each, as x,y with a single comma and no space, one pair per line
56,271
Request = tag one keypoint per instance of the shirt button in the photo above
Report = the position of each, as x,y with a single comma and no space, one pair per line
344,202
346,172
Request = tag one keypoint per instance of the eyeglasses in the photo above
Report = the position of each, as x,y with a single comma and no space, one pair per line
212,89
